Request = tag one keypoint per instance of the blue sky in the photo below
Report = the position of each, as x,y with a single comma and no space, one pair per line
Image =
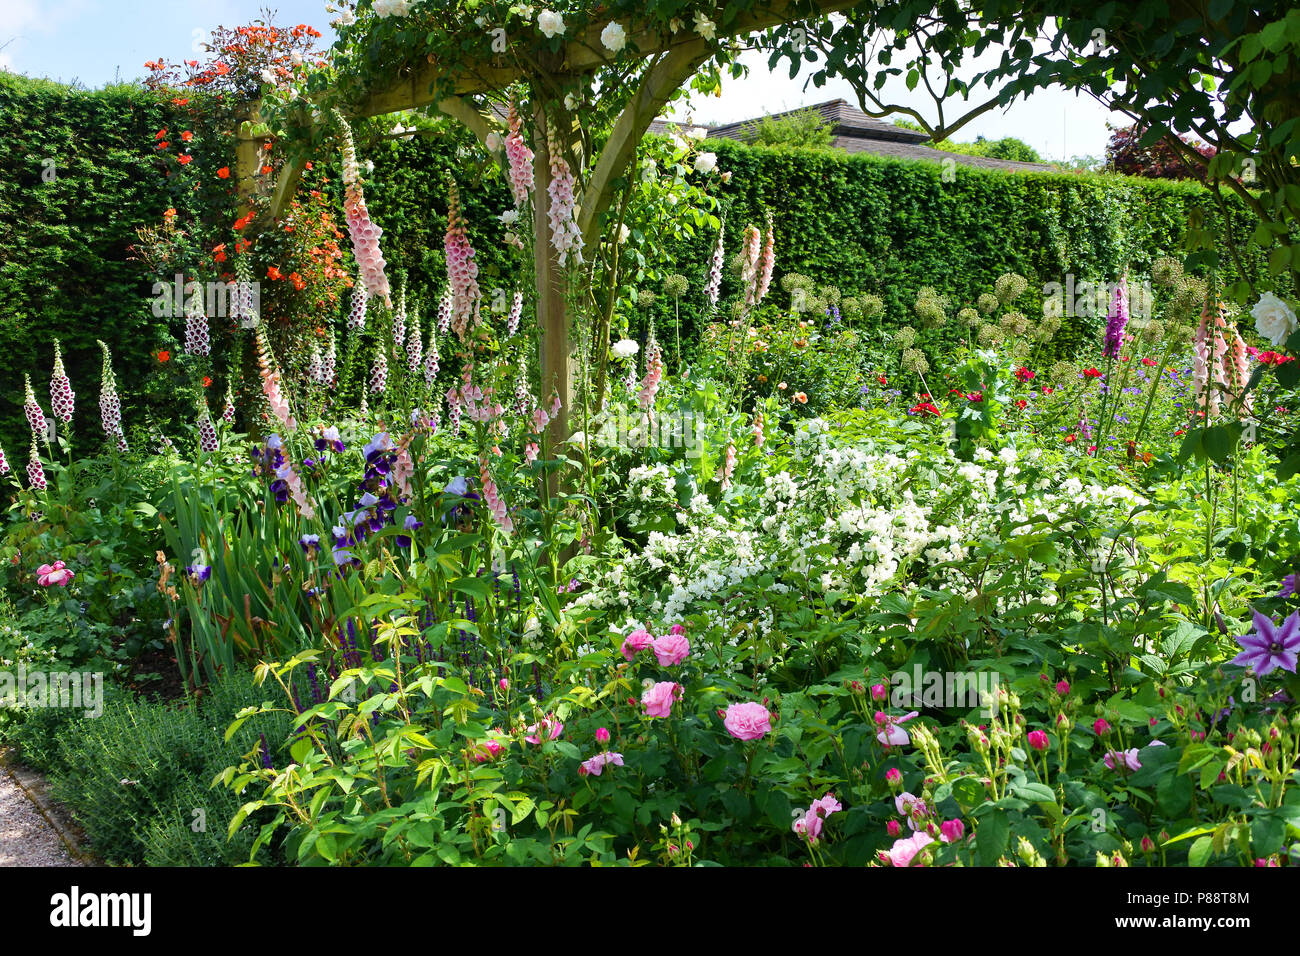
97,41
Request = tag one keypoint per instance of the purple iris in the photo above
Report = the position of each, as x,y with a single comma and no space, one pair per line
1270,646
329,440
412,523
199,572
308,542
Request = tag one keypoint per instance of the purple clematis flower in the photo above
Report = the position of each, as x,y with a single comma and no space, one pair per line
1290,584
1270,645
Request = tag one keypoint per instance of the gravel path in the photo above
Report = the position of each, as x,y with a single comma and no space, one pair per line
26,837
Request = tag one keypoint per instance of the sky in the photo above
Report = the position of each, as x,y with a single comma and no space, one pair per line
99,41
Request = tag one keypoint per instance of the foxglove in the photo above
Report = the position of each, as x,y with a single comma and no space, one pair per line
431,359
767,263
35,473
461,269
207,431
357,314
414,346
35,416
365,234
516,312
271,382
379,373
566,237
714,285
399,317
750,265
110,408
61,394
492,499
196,327
1116,320
519,158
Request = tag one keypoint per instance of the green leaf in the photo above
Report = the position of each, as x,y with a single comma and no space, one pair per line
1200,852
991,837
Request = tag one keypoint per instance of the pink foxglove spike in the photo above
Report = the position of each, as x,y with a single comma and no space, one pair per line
35,473
271,386
519,158
61,394
750,264
714,285
767,263
365,234
110,407
35,415
461,269
431,359
491,498
566,237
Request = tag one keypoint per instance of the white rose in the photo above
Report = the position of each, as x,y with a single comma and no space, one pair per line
493,141
295,58
614,37
1274,319
625,348
268,76
510,216
705,27
623,233
697,133
706,162
550,23
570,101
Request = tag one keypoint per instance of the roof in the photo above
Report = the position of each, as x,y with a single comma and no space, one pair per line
855,132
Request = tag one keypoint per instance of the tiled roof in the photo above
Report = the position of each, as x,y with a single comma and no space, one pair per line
856,132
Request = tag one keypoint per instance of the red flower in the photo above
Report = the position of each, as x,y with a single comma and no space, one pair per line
273,273
162,145
243,221
1091,373
161,134
924,408
1048,390
1070,438
308,167
207,380
187,136
164,355
882,380
223,172
184,160
1024,374
1021,403
266,170
1148,361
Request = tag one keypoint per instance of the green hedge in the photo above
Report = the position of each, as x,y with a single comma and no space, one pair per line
863,223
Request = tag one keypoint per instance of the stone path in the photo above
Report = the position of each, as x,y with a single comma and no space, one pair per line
27,837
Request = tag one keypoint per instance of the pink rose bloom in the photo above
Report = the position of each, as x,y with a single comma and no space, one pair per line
676,629
893,775
602,735
638,640
912,807
658,700
1037,739
1100,727
1128,758
950,831
1063,688
879,692
904,851
826,805
747,721
487,750
809,826
892,735
56,574
598,763
552,727
504,683
893,828
671,650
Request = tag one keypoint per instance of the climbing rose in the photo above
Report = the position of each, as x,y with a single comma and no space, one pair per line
614,37
550,23
658,700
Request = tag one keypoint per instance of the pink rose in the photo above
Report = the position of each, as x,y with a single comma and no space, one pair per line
747,721
1063,688
671,650
826,805
676,629
658,700
879,692
893,828
602,735
56,574
809,826
638,640
951,831
1037,739
904,851
893,776
1127,758
552,727
596,764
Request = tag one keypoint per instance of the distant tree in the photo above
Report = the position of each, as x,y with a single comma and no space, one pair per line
1008,147
1124,154
803,129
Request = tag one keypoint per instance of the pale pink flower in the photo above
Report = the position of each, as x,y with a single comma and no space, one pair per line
461,269
519,157
747,721
658,700
596,764
566,237
364,233
492,499
1126,758
271,382
891,734
714,285
765,266
671,650
809,826
549,726
54,575
750,265
635,642
904,851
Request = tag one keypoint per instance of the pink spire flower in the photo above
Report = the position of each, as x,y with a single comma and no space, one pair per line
431,359
519,158
61,394
714,285
4,463
727,468
493,500
750,265
566,237
516,313
767,263
414,344
35,473
360,303
1116,319
379,372
461,269
110,408
35,416
271,382
196,327
364,233
654,373
207,432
